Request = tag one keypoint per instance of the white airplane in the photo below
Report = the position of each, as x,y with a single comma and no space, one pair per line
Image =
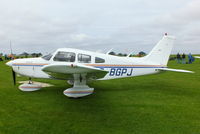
80,66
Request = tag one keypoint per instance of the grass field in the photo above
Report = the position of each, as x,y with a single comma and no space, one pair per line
168,103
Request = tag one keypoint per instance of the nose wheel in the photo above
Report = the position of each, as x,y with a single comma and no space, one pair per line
79,89
30,86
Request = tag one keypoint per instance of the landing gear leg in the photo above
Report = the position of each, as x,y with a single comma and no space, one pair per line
30,81
79,88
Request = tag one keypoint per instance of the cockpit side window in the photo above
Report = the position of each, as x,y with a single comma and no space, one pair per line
47,57
83,58
99,60
65,57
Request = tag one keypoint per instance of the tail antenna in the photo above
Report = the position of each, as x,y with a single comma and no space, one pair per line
11,48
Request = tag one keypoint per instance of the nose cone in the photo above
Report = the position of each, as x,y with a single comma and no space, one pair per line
9,63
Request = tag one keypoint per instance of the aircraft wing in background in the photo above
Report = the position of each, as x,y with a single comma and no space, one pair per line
197,57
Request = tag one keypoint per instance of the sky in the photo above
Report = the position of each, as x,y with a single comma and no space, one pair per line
127,26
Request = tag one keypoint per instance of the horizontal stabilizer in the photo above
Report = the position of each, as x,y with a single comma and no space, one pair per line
175,70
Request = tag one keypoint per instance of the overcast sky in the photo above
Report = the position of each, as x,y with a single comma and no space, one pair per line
125,25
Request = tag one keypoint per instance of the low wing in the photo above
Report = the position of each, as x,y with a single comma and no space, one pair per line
175,70
66,71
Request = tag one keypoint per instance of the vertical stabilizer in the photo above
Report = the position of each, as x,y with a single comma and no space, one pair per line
161,52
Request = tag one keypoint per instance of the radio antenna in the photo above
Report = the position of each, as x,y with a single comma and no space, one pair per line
11,47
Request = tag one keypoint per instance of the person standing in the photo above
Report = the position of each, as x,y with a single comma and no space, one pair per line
183,59
178,58
190,58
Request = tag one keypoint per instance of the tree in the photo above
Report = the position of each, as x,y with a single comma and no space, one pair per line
124,54
112,53
120,54
24,54
141,53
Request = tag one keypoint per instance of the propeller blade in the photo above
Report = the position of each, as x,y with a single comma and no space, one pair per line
14,77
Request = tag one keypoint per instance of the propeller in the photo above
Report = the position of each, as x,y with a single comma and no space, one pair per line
14,77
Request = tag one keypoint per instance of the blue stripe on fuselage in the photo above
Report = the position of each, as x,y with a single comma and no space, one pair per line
124,67
99,66
28,65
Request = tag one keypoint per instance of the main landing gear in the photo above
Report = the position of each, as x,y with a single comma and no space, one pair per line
30,86
79,88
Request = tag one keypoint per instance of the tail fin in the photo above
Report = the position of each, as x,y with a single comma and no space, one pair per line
161,52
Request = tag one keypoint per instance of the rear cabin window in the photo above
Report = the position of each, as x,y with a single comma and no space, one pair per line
83,58
99,60
65,57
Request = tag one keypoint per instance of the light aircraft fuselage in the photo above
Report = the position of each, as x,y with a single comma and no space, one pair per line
117,67
80,66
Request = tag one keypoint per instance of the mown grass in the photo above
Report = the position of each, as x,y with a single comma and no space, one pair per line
166,103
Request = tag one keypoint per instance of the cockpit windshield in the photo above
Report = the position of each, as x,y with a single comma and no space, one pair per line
47,57
65,56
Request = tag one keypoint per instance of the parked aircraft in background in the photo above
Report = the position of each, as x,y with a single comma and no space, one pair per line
80,66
